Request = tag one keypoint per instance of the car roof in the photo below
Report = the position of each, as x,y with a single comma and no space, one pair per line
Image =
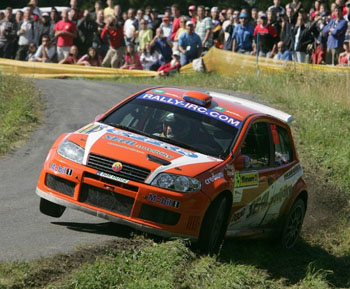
239,108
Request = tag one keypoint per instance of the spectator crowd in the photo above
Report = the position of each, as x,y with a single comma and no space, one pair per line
164,41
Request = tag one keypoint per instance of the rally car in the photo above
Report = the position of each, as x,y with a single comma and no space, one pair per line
176,162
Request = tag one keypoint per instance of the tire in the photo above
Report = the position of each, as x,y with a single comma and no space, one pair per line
293,223
51,209
214,226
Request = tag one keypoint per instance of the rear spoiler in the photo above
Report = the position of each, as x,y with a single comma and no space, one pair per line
254,105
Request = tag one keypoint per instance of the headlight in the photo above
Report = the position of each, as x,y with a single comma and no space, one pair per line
177,183
71,151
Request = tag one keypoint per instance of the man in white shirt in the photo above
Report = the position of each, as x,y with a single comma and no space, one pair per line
46,51
130,27
26,35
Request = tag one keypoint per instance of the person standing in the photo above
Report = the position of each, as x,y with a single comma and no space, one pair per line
176,20
8,29
190,44
26,35
243,35
204,28
65,31
336,30
115,36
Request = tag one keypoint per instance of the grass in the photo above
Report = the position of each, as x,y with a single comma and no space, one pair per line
320,105
19,110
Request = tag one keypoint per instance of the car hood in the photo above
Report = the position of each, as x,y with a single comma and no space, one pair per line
142,151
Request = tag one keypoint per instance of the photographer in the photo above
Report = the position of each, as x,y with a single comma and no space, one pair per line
8,29
163,45
115,36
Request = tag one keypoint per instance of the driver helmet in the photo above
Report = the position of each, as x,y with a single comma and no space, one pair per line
176,126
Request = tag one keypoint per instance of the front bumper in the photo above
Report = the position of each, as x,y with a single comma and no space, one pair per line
137,205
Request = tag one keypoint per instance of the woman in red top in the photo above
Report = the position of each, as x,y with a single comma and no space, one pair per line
90,59
132,59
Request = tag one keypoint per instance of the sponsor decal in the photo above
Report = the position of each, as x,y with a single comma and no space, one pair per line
115,178
293,171
266,207
219,108
213,178
135,144
164,201
193,107
91,128
117,167
243,180
152,141
125,147
159,91
59,169
237,196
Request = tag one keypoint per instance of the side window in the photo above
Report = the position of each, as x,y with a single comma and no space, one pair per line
257,145
282,144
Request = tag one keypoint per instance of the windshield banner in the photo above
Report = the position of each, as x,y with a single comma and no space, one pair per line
193,107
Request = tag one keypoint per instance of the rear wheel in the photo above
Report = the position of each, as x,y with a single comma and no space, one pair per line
51,209
292,227
213,226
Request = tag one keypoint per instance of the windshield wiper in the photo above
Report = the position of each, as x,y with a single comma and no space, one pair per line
124,127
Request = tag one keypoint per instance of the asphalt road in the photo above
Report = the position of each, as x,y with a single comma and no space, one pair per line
25,232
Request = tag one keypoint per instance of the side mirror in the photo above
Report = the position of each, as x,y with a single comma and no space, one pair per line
242,162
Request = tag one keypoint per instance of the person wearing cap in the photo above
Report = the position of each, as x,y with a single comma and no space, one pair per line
44,28
155,20
204,28
190,45
166,26
243,35
265,38
336,30
192,12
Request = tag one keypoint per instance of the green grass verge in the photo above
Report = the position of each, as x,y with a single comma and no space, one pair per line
19,110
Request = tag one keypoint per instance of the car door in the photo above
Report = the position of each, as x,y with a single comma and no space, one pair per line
253,185
286,172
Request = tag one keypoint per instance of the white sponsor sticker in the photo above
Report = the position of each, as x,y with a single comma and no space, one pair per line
115,178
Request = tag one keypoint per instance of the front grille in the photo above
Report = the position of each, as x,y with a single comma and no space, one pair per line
105,199
159,215
60,185
129,172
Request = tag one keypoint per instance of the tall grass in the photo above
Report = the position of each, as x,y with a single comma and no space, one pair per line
19,110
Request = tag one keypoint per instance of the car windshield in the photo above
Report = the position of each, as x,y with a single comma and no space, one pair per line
174,125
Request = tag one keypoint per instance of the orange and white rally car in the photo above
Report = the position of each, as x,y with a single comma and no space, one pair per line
175,162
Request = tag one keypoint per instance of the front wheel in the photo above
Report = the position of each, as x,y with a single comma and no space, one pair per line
214,226
293,223
51,209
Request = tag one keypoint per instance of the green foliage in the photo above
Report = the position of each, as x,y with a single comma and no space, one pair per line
19,110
